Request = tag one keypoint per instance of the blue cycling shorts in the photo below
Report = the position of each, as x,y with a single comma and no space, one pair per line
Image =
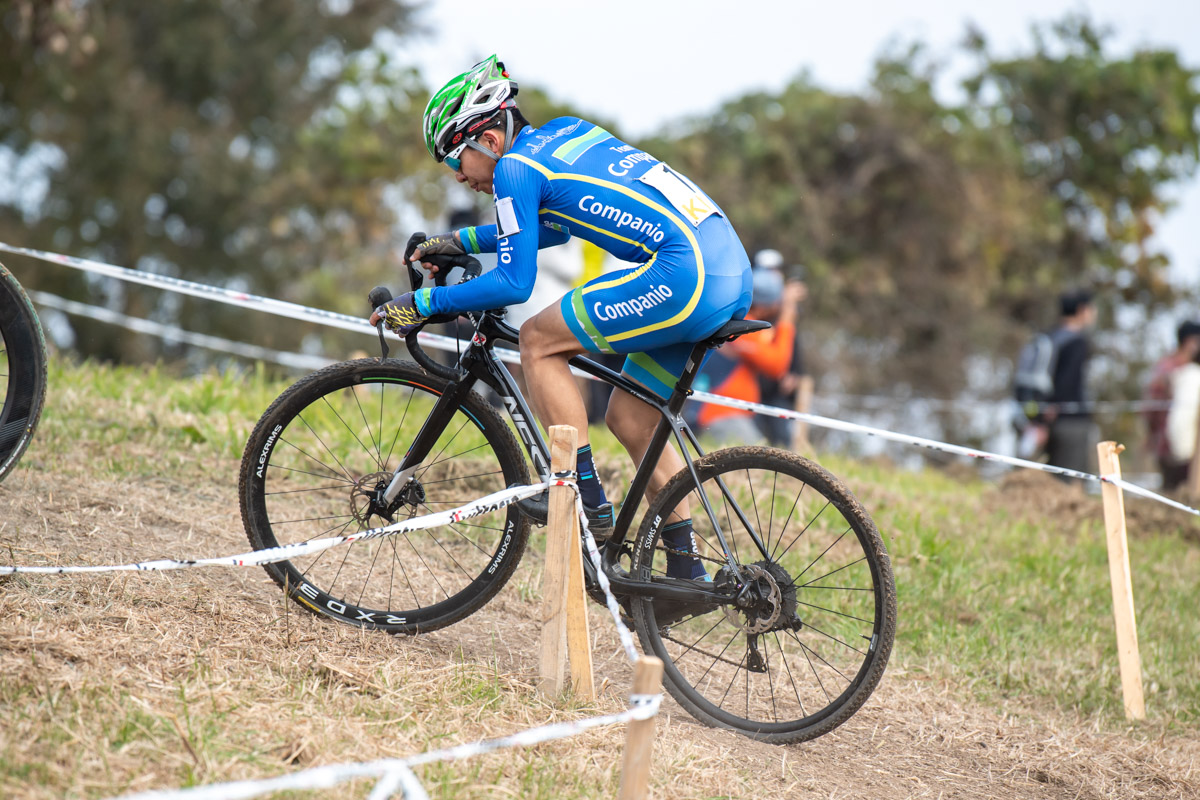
655,312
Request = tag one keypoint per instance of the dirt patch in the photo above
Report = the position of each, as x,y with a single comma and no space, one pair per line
1034,495
126,682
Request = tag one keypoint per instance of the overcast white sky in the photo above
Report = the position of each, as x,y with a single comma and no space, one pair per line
643,63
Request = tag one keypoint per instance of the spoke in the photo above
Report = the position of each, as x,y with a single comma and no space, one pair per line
810,627
332,473
466,538
349,430
788,519
719,657
367,579
426,467
377,446
304,491
791,677
801,533
827,574
770,681
403,416
321,441
729,527
396,559
839,613
421,558
771,517
733,680
437,459
692,647
754,503
822,555
312,519
808,649
462,477
816,675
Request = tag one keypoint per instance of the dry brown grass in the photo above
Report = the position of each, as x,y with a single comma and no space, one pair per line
126,682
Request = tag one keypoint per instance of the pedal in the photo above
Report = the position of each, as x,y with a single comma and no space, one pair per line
537,508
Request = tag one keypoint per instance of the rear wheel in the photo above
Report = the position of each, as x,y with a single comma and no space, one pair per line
316,463
809,637
22,371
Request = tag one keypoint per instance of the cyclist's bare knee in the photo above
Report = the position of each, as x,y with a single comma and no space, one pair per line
546,335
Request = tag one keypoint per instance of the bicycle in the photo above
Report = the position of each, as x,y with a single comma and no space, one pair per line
785,643
22,371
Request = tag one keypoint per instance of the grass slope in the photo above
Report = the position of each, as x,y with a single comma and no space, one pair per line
1004,669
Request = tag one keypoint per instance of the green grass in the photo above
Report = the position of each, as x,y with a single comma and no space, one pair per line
1015,609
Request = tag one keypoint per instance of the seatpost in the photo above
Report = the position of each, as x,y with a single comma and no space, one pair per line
684,387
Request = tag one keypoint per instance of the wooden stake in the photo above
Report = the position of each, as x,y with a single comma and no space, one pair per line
1122,582
564,608
579,639
639,737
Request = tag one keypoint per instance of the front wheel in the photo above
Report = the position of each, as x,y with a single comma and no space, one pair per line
316,463
809,636
22,371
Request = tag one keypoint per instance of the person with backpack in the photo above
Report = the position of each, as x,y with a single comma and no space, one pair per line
1050,388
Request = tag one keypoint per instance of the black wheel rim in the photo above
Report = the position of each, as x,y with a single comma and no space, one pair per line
815,663
318,475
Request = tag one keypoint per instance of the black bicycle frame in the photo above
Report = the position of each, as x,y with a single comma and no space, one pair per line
478,363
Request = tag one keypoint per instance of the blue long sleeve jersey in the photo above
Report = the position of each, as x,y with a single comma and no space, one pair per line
567,178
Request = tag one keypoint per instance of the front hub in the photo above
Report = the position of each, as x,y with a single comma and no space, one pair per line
367,498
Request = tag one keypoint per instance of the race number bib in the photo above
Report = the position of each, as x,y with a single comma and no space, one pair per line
506,218
680,192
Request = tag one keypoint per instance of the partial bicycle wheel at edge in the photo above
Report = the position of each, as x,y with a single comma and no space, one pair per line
811,639
22,371
316,460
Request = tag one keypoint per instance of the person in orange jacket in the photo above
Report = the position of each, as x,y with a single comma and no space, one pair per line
735,369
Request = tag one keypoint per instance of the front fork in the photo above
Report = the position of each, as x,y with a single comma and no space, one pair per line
474,369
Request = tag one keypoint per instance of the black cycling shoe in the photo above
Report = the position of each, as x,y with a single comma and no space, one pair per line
537,508
600,521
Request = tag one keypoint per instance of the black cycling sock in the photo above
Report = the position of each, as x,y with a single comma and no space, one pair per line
589,482
680,536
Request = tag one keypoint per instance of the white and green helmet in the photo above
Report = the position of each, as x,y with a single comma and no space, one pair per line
465,105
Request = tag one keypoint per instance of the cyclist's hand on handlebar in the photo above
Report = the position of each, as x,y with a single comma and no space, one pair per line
400,315
444,244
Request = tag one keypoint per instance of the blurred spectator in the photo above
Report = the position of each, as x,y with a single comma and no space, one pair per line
1182,418
782,392
1159,390
734,370
1071,440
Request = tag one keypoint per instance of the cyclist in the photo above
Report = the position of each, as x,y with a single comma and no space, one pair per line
690,272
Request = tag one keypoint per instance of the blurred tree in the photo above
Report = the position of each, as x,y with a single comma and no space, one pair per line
934,235
1100,138
245,144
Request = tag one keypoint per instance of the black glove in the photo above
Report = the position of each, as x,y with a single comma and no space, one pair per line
444,244
400,315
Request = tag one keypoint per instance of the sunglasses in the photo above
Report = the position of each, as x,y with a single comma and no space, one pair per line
453,159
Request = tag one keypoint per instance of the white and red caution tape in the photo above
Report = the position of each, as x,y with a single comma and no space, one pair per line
392,772
257,558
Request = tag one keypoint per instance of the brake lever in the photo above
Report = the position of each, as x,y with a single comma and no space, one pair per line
378,296
383,345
